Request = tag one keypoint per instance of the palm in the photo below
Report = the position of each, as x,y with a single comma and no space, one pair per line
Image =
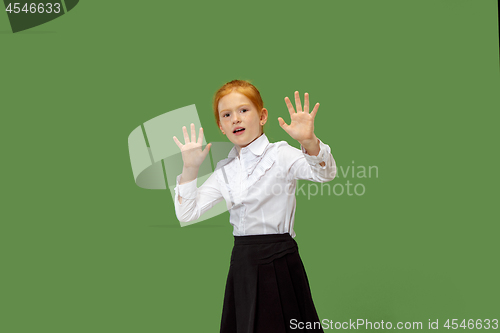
192,154
301,127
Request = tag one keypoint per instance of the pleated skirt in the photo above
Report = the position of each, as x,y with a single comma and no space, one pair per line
267,289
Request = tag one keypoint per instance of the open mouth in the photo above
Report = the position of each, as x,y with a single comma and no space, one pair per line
239,131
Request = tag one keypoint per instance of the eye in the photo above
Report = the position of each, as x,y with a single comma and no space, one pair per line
244,110
225,114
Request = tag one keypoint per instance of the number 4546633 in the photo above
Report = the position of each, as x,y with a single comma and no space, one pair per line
34,8
472,324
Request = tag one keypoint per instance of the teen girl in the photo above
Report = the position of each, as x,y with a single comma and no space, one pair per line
267,288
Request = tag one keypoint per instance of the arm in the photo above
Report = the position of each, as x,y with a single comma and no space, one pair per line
188,174
301,165
312,148
191,202
316,162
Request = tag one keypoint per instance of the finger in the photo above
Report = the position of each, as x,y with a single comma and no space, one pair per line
186,137
282,123
315,110
177,142
298,105
290,106
306,102
200,136
207,148
193,133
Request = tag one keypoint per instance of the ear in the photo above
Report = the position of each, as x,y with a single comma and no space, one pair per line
263,115
220,126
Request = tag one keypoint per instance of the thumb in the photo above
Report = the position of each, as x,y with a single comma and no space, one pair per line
282,123
207,148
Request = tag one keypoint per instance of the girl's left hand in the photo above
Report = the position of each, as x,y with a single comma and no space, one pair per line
301,127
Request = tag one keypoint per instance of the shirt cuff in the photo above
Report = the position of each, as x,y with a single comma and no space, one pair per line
187,190
316,160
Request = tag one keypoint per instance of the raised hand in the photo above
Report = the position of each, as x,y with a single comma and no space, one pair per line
192,155
301,127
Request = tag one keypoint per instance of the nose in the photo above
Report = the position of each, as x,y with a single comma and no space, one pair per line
237,118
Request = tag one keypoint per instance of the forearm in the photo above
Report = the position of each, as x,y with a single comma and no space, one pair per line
319,167
191,202
188,174
312,147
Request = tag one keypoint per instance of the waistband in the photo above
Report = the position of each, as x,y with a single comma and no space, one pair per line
262,239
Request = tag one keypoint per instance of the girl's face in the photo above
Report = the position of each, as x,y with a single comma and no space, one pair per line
236,111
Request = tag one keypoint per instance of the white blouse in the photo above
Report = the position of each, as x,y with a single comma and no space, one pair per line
258,186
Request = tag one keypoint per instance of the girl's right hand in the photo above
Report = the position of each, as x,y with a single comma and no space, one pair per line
192,155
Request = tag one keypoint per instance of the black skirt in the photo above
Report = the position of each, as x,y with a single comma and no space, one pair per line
267,288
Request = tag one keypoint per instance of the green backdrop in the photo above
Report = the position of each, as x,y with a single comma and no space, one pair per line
411,87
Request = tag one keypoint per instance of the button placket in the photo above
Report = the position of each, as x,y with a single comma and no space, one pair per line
242,208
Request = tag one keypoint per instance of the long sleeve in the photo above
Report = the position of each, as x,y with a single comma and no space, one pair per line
196,201
301,165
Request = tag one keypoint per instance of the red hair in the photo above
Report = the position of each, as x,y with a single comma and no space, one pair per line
243,87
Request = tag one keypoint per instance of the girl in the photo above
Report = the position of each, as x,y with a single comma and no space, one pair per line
267,288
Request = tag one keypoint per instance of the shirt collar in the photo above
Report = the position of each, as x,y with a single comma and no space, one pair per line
256,147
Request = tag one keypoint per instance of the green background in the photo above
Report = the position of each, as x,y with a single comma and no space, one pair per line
408,86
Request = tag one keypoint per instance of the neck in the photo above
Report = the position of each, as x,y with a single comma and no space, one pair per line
238,148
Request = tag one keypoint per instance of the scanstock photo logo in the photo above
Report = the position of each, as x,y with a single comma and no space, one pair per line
28,14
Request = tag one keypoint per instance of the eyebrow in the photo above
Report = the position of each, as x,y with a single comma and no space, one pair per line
239,106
